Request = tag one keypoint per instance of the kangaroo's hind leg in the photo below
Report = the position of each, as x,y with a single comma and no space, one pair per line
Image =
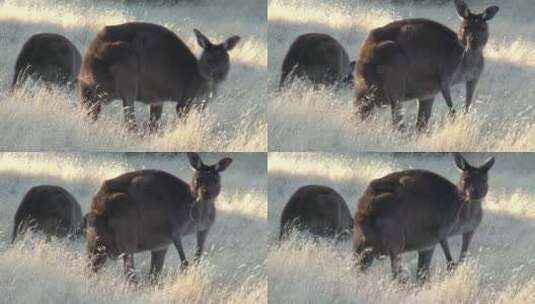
125,72
394,244
391,70
125,235
394,90
425,107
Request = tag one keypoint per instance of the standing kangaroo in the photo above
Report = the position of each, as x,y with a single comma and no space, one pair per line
418,58
317,209
50,209
149,210
319,58
49,57
149,63
415,210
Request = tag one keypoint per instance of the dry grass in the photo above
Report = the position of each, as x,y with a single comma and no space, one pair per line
39,120
304,120
500,269
232,272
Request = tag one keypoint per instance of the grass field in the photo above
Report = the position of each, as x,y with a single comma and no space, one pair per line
233,271
37,120
502,119
500,268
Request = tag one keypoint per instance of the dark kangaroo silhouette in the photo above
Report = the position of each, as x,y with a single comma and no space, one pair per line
319,210
319,58
50,209
418,58
149,63
415,210
150,209
49,57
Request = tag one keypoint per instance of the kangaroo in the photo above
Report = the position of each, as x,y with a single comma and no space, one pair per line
149,63
415,210
318,209
50,209
318,58
471,215
418,58
149,210
49,57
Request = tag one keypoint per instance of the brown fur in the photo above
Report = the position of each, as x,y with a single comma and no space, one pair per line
49,57
149,210
319,210
415,210
319,58
149,63
418,58
50,209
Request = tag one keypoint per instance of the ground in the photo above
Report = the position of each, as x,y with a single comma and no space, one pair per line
502,118
37,120
233,270
500,268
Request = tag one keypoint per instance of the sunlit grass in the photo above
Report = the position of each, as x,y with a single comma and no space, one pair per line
302,119
49,120
232,271
500,267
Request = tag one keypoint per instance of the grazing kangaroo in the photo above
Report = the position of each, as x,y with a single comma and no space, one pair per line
317,209
415,210
50,209
418,58
150,209
149,63
51,58
318,58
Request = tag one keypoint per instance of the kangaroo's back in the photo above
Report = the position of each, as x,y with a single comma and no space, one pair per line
426,44
412,189
148,189
317,209
420,203
50,209
49,57
318,57
161,65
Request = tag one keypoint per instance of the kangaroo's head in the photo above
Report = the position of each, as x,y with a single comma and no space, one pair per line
89,96
214,63
474,180
206,181
474,30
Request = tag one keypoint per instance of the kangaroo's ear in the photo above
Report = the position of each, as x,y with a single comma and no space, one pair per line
490,12
201,39
223,164
462,9
194,161
488,164
230,43
460,162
